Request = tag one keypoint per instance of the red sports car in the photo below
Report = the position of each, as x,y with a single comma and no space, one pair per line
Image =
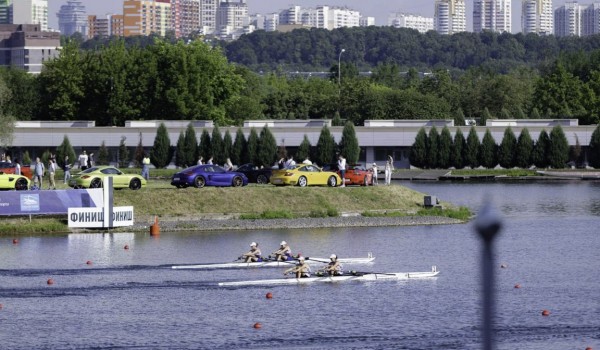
356,174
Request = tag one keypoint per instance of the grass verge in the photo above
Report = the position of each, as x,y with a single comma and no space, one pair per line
461,213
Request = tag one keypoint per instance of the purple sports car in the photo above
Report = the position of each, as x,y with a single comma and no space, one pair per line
208,175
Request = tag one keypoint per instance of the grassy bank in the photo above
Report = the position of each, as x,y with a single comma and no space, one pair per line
250,202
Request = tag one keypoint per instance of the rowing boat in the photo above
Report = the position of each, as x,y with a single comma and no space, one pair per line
364,277
237,265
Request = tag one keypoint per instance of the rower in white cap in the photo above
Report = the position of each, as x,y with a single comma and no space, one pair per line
254,254
302,269
284,253
334,268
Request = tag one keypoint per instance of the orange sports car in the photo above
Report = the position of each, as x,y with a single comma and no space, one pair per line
356,174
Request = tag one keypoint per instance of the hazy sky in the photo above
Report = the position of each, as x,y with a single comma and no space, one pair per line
373,8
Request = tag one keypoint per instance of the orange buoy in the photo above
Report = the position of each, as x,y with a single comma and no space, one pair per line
257,325
1,306
545,313
155,229
588,348
15,241
269,295
89,262
517,286
126,247
50,281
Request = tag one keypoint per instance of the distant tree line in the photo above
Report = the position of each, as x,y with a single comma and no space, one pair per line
440,150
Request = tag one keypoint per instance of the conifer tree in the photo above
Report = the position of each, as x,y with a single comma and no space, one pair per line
190,147
524,150
459,146
103,155
304,151
594,149
325,147
539,156
418,151
349,144
26,158
559,148
65,149
253,141
337,119
459,118
180,158
205,147
485,116
267,148
217,146
227,145
162,152
239,151
535,113
433,148
472,150
575,152
488,153
506,152
445,148
123,153
139,153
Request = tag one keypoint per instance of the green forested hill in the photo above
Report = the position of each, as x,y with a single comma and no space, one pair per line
367,47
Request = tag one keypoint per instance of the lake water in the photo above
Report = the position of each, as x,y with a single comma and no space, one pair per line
132,299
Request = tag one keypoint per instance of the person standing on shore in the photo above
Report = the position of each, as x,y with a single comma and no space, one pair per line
146,167
38,172
342,169
83,159
17,167
389,168
51,173
67,169
375,171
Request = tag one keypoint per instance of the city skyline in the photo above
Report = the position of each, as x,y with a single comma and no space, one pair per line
380,9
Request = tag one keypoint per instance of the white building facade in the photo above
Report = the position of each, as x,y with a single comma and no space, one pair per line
492,15
450,16
568,19
324,17
406,20
591,19
31,12
537,17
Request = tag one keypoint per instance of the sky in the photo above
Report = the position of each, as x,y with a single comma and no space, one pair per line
380,9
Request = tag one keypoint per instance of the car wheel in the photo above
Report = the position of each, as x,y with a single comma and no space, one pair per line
21,184
96,183
237,181
332,182
365,182
302,182
199,182
179,186
135,184
262,179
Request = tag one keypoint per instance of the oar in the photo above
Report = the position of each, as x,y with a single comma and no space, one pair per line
319,260
362,273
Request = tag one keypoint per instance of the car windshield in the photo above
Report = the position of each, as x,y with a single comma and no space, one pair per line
110,171
89,170
246,167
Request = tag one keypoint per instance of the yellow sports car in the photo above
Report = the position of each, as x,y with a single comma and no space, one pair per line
13,182
94,178
305,175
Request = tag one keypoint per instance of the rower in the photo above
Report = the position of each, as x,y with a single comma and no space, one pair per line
334,268
254,254
284,253
302,269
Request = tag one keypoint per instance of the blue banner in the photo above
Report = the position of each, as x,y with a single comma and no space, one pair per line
48,202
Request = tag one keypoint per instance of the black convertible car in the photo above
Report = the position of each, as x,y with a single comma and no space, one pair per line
255,174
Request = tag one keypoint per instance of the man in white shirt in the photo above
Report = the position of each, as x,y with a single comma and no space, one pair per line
342,169
83,160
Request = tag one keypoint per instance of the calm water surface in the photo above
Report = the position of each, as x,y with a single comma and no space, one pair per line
132,299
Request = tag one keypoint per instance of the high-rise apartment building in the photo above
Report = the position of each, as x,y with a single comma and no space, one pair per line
567,19
405,20
271,22
537,17
31,12
72,19
208,15
6,10
189,17
145,17
232,15
98,27
450,16
117,25
325,17
492,15
591,19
